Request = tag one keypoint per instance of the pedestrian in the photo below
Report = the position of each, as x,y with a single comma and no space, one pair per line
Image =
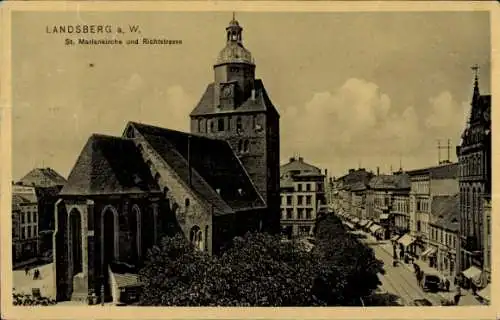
26,271
447,284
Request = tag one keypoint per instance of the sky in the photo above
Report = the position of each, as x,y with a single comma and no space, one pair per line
360,89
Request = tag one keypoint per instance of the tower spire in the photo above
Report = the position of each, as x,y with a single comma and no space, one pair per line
475,94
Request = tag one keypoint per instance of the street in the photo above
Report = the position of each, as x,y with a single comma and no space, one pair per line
24,283
398,280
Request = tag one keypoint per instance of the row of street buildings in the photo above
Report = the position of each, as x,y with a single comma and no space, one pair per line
439,214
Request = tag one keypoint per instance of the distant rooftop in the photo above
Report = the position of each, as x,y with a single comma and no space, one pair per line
43,177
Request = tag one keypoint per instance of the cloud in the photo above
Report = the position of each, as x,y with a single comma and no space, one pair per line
446,113
358,124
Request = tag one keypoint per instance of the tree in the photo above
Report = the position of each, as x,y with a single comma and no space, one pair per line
259,269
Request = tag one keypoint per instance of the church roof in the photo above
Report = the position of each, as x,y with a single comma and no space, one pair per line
217,174
109,165
261,103
43,177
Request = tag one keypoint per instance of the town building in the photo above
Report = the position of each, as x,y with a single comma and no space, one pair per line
474,156
441,247
215,183
25,240
426,184
386,189
47,184
345,185
302,197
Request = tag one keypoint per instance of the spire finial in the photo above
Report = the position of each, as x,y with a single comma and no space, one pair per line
475,68
234,15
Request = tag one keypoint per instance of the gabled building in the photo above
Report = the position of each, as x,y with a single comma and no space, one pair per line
215,183
302,197
474,156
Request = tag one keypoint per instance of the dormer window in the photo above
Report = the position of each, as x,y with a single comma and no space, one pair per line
240,191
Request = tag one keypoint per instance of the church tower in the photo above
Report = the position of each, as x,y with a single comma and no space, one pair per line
474,156
236,108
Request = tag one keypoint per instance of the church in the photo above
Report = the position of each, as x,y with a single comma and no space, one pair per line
216,182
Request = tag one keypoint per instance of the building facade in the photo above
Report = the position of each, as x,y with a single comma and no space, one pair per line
302,196
389,192
474,154
25,239
426,184
154,181
442,241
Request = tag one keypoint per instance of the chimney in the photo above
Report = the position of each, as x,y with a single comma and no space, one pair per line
301,159
378,171
351,170
326,172
292,159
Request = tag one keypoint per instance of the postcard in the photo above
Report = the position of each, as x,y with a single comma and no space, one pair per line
248,159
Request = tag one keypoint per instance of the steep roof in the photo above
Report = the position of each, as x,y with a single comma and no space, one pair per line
43,177
445,211
390,182
109,165
213,163
261,103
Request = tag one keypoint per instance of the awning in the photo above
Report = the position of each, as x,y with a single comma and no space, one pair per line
485,293
374,228
368,225
355,220
349,225
406,240
429,251
473,273
394,238
384,216
363,222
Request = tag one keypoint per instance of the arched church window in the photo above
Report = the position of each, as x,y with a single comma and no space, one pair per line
199,125
239,125
246,146
186,202
206,238
196,237
240,146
